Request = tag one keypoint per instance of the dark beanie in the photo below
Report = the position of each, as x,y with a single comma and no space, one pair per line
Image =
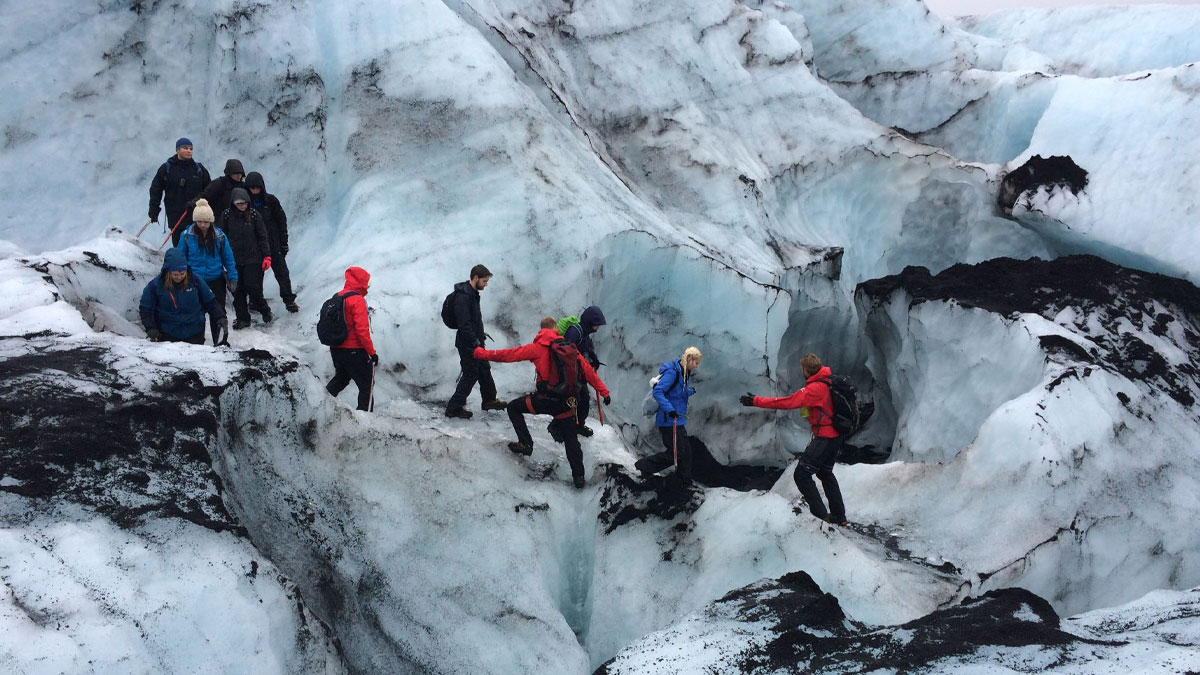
239,195
182,142
233,166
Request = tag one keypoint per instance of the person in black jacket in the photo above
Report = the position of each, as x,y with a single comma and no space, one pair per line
251,253
276,221
181,179
219,193
580,335
470,335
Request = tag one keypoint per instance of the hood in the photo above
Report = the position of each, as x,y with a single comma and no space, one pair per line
357,279
466,287
233,166
592,316
822,374
174,258
239,194
255,179
545,336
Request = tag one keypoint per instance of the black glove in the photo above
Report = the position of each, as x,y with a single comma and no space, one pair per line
153,215
232,285
593,361
190,205
374,359
607,400
154,334
672,414
747,400
285,249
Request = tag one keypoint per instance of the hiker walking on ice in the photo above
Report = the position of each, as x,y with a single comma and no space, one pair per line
179,180
822,452
210,257
465,315
174,303
560,371
354,358
252,252
672,393
578,331
275,220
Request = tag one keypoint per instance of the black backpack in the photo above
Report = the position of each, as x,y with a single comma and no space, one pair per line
847,415
564,362
331,325
448,316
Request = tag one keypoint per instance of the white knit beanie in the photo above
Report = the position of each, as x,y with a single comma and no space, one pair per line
202,211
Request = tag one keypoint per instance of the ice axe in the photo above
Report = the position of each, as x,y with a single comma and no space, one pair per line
169,234
675,440
599,408
139,234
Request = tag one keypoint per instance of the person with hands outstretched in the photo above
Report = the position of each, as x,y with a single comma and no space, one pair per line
672,393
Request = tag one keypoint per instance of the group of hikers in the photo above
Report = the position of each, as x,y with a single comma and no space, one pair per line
235,231
234,249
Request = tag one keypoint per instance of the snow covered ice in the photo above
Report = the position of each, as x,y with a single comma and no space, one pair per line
761,179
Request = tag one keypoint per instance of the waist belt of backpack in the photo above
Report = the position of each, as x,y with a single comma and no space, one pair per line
569,412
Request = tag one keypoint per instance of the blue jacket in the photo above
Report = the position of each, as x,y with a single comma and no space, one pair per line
672,393
208,265
178,312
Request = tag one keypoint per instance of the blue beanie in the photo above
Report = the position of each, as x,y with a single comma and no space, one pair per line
182,142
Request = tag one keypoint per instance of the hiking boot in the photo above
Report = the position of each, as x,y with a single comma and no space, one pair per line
642,469
584,430
495,404
241,323
266,316
461,413
579,481
292,306
520,448
836,520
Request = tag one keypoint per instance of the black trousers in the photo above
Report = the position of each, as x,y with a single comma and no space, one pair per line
352,364
473,370
282,276
218,287
250,279
824,448
656,463
564,424
583,403
197,339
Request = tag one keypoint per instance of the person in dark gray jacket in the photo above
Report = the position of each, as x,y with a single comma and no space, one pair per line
470,335
251,253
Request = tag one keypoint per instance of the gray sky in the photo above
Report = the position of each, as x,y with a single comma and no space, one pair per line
959,7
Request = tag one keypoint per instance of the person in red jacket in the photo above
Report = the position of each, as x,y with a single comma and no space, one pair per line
542,402
818,458
355,358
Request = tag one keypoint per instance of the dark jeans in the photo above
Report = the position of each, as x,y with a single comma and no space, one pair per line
826,448
282,276
656,463
218,287
564,424
352,364
473,370
197,339
250,278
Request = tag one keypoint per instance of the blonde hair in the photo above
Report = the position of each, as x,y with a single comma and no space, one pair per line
549,322
810,364
689,353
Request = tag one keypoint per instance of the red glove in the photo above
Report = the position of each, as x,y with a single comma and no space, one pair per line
266,263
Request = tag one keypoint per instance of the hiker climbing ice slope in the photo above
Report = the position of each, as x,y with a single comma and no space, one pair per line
174,303
672,392
461,311
578,331
822,452
208,253
178,182
275,220
560,368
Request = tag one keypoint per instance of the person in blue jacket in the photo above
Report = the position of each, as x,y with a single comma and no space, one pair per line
174,303
672,393
209,255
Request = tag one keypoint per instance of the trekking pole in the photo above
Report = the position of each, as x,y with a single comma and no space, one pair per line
675,440
371,405
599,408
177,223
143,229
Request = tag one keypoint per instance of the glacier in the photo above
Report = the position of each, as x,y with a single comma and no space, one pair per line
761,179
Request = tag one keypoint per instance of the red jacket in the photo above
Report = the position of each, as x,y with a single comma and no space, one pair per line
538,351
356,311
814,396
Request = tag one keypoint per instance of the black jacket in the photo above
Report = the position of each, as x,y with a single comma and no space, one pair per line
181,180
271,211
219,193
248,240
468,315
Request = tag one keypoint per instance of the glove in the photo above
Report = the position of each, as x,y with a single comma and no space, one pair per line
285,249
374,359
593,361
266,263
747,400
190,205
691,391
153,215
607,400
232,285
154,334
672,414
